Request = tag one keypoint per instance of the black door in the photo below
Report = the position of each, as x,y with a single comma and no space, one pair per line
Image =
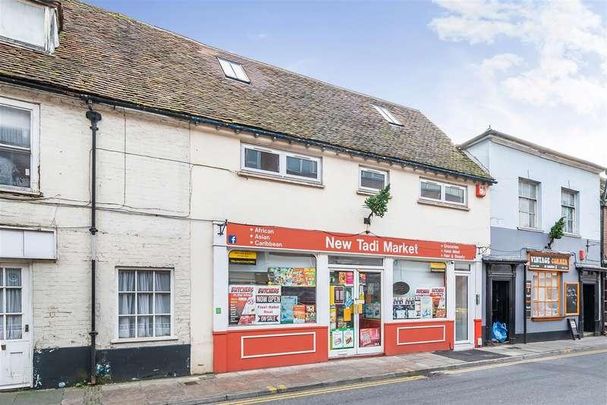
589,315
500,302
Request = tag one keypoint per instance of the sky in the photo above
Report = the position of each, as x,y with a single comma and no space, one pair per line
534,70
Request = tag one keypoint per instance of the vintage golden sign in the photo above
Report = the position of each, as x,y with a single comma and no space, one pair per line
548,261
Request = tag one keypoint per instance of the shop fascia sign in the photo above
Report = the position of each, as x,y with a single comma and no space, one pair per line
539,260
272,237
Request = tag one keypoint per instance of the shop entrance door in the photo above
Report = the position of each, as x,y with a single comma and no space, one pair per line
15,346
463,317
355,298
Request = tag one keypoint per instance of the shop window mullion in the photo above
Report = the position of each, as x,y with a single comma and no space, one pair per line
153,303
136,304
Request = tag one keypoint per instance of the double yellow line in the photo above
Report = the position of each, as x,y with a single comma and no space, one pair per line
327,390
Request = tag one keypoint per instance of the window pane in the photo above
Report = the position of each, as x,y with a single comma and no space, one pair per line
145,282
568,198
431,190
145,326
13,300
1,327
260,160
14,127
13,277
1,302
374,180
239,72
302,167
454,194
23,21
126,304
527,189
163,281
126,326
163,304
15,168
13,327
163,325
126,280
144,303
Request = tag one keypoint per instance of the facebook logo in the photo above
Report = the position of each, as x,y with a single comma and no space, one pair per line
232,239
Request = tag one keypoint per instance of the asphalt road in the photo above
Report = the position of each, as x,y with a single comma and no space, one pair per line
569,379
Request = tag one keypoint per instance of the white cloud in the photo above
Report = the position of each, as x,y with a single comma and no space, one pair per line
500,63
569,41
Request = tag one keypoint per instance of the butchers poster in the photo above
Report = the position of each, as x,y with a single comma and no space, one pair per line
241,302
267,305
438,302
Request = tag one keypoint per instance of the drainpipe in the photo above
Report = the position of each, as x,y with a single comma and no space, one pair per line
524,304
94,117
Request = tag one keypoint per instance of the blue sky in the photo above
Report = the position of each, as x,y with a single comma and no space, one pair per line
535,70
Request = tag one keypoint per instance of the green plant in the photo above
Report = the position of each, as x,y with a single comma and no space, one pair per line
556,232
378,203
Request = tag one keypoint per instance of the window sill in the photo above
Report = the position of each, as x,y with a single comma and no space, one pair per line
442,204
572,235
260,176
23,192
548,319
364,192
236,328
144,340
525,229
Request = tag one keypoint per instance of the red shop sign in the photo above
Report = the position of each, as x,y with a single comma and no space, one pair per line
273,237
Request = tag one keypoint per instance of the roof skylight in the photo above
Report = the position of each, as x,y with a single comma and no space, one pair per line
233,70
387,115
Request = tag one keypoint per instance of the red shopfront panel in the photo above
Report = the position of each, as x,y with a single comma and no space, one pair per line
478,332
409,337
246,350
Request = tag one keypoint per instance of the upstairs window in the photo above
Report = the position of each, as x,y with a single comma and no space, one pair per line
29,24
387,115
443,192
569,210
234,70
281,163
18,140
527,203
372,179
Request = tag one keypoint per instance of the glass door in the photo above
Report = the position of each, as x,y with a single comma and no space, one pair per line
369,312
355,312
462,306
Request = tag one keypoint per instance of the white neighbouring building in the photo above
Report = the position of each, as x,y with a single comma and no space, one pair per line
228,197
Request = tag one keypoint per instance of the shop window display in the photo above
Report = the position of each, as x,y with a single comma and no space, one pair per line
271,288
418,292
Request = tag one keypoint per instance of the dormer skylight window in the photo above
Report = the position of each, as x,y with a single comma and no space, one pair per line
29,24
232,70
387,115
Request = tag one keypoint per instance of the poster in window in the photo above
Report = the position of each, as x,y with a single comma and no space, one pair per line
426,306
572,298
287,303
267,305
241,302
292,276
438,302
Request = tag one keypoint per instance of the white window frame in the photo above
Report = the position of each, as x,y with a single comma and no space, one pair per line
386,173
171,335
282,164
537,184
576,211
233,70
388,116
50,27
34,110
443,196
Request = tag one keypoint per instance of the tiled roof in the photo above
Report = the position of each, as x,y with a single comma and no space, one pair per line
112,56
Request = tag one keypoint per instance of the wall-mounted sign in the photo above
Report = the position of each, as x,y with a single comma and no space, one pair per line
272,237
438,267
242,257
572,302
548,261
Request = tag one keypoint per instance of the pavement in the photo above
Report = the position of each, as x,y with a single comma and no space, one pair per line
256,383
